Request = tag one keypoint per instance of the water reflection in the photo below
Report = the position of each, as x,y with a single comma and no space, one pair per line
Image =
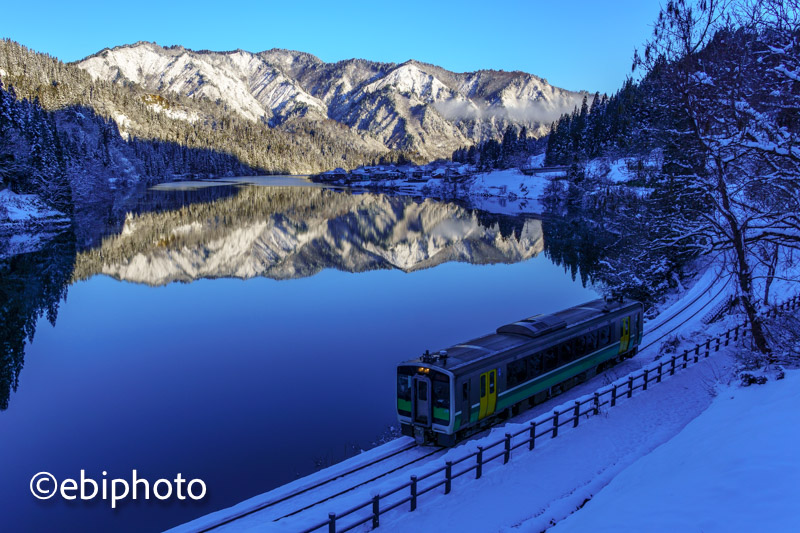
244,231
288,233
31,285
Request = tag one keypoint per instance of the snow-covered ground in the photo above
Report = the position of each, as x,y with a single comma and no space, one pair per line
26,223
704,479
16,208
500,191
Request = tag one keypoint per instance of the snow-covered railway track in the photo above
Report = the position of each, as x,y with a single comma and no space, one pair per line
294,502
437,451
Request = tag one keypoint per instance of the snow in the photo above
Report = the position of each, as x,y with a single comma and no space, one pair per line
536,161
508,183
26,223
24,208
703,480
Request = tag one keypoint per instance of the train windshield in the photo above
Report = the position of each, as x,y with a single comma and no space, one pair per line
441,398
404,375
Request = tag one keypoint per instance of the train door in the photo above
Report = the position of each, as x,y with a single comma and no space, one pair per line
625,336
634,336
422,400
488,384
466,403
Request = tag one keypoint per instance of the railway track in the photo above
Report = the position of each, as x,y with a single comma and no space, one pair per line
339,484
282,505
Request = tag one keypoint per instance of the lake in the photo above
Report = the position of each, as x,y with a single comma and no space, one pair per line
244,334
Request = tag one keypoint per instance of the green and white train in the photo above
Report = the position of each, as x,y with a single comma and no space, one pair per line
446,396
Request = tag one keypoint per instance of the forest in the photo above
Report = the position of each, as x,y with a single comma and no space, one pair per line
717,109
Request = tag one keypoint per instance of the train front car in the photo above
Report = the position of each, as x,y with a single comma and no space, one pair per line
424,397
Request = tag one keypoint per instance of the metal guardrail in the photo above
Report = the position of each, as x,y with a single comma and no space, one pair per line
541,427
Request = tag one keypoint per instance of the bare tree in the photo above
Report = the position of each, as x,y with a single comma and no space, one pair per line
733,78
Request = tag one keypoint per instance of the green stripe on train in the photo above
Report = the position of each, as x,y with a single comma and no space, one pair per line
403,405
537,385
442,414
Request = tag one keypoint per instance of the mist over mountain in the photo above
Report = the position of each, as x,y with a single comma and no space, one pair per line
412,107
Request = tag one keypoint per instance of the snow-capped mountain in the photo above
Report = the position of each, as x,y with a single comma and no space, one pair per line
411,106
285,233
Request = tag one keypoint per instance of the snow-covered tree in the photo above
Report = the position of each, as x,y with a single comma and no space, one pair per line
731,69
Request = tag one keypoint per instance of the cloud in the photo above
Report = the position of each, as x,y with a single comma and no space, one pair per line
520,111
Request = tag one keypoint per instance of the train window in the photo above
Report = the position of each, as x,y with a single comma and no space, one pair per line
483,385
581,346
550,359
422,390
534,364
491,382
465,392
605,335
404,391
566,353
591,341
516,373
441,399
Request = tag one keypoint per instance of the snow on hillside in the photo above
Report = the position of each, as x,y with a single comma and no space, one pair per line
26,223
705,480
24,208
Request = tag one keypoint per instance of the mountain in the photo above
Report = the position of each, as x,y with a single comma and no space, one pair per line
176,122
287,233
412,107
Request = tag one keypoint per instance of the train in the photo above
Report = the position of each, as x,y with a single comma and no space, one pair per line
446,396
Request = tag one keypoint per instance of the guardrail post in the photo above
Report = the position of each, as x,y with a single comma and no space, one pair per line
646,373
596,403
413,493
660,371
555,423
716,348
532,443
577,414
331,522
736,333
727,337
448,476
614,395
630,387
672,366
479,468
685,359
696,353
507,452
376,511
708,347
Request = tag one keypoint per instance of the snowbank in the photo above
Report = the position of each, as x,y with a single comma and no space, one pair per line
26,223
24,208
733,468
508,183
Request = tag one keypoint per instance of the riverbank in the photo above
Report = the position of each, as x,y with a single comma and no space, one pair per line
26,223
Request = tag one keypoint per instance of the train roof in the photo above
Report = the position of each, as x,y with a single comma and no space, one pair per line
522,332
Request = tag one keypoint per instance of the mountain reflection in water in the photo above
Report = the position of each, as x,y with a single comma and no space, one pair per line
288,233
243,232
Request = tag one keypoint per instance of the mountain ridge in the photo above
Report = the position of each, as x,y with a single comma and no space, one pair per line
412,106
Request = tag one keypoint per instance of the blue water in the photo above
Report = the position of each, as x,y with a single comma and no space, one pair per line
243,384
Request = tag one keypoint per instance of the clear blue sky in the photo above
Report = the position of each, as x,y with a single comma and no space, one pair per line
577,44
